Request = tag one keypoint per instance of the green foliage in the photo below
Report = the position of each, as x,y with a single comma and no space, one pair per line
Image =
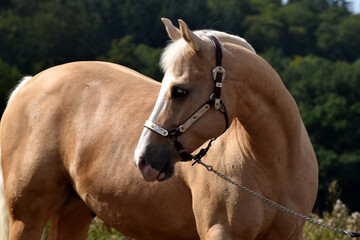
349,30
100,231
264,30
149,59
277,58
301,21
328,97
55,32
9,76
338,34
140,57
122,52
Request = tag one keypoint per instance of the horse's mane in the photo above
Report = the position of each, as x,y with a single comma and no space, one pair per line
176,49
21,83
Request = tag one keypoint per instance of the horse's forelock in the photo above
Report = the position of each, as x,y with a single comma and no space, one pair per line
177,49
172,53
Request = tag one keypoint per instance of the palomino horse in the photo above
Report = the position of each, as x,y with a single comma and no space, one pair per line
266,147
67,137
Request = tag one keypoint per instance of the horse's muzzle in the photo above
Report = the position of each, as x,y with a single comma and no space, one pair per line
149,174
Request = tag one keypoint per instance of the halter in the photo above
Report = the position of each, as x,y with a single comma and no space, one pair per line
218,74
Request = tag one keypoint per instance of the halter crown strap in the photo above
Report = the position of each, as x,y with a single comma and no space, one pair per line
218,50
218,72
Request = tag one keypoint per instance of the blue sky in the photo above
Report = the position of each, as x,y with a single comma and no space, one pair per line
355,6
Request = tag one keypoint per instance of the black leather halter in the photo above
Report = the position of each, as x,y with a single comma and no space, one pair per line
218,74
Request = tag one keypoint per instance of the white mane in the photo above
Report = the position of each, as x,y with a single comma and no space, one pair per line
177,49
22,82
171,53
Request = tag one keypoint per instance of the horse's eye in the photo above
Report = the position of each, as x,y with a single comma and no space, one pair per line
178,92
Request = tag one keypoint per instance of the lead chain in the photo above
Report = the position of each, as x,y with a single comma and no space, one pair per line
274,204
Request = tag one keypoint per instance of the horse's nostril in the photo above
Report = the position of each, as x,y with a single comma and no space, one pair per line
142,163
149,174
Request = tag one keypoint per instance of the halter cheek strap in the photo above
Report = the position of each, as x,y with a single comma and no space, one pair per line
218,74
182,128
218,71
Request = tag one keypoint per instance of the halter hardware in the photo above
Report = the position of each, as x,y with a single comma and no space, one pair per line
218,74
156,128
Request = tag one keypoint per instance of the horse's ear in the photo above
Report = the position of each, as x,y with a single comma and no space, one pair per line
193,40
174,32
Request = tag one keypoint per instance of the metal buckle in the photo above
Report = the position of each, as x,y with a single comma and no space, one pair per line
219,69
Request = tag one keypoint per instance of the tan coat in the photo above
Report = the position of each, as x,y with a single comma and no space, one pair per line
69,134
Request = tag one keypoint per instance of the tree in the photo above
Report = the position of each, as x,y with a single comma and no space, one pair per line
349,36
338,34
328,97
56,33
9,76
264,29
300,19
140,57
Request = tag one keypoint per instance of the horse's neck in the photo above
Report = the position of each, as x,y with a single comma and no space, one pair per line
269,123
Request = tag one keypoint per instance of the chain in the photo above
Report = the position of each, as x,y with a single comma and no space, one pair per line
274,204
202,153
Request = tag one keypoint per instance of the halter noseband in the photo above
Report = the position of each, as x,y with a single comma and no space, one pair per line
218,74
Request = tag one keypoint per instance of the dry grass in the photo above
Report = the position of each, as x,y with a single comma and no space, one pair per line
99,231
340,217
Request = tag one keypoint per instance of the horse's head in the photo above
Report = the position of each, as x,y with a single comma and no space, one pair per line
188,111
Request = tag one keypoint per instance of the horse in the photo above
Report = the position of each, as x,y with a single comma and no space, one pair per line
67,135
214,88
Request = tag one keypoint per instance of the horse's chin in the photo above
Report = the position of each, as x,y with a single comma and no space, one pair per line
165,174
150,175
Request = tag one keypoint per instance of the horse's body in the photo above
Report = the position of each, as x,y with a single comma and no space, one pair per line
68,138
67,141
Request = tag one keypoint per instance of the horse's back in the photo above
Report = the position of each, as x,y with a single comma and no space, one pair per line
40,110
